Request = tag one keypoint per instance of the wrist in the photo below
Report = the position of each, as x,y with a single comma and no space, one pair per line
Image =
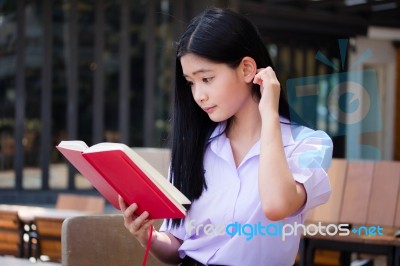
155,236
270,117
144,242
270,128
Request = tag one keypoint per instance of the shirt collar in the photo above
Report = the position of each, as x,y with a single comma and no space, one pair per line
219,140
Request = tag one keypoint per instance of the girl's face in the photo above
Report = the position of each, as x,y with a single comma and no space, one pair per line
218,89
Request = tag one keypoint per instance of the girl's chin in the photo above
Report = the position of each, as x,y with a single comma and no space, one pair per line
217,119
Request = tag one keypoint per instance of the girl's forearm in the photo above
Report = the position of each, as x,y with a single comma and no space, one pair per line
280,195
164,247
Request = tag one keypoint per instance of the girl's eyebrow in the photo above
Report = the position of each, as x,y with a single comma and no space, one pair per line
198,71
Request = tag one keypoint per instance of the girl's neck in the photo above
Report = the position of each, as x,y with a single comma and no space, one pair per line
246,124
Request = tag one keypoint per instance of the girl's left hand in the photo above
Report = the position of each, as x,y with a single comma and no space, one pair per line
270,90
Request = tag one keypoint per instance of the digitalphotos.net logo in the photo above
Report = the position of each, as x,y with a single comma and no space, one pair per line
348,101
278,229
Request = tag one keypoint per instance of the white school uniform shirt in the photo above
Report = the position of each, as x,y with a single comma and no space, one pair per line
223,225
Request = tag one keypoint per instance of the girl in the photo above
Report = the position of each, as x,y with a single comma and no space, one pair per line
250,172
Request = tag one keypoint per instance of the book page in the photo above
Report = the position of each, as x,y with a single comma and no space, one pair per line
76,145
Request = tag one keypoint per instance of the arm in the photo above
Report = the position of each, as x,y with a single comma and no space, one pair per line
164,246
280,194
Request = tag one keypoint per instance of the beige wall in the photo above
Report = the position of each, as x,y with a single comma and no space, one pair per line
383,62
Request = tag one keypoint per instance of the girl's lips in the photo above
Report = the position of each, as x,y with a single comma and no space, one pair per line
209,110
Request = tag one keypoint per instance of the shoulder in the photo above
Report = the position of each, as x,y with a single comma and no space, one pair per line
294,135
306,147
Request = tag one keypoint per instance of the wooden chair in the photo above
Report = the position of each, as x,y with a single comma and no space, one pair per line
357,192
65,201
101,240
384,194
11,234
48,238
370,198
94,204
330,211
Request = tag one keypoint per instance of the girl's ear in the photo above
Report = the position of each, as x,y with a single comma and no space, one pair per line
249,68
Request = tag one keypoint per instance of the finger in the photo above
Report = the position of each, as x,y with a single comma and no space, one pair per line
273,80
271,73
264,72
267,77
129,213
257,80
259,70
147,224
260,76
140,220
122,204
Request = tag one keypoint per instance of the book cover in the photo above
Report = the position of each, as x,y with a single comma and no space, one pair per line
115,169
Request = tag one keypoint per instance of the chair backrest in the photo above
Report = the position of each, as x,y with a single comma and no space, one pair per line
10,233
330,211
88,203
384,194
159,158
363,192
49,237
101,240
397,218
357,192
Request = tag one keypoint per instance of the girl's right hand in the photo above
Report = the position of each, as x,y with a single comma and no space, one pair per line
138,226
270,89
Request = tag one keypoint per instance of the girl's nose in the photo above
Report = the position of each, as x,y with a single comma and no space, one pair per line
199,94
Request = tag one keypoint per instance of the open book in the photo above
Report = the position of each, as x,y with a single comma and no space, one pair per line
115,169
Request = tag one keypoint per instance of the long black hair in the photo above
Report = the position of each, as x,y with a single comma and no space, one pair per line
221,36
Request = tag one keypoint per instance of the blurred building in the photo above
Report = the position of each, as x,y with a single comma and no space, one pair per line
103,71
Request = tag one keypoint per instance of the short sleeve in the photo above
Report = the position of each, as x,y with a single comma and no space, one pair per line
309,159
178,232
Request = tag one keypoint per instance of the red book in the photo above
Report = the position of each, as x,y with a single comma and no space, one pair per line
115,169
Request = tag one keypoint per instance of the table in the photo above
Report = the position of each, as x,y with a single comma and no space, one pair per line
386,245
12,261
27,214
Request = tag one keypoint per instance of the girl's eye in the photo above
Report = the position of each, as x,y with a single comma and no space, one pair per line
206,80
